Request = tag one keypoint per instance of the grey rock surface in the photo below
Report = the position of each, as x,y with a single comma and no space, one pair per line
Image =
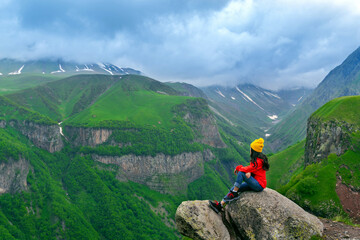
47,137
270,215
206,128
196,220
264,215
324,138
164,173
13,174
79,136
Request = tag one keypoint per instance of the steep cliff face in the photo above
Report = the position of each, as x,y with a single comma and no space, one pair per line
198,115
47,137
208,132
80,136
325,137
166,174
13,175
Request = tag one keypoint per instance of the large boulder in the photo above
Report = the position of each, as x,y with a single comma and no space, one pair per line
264,215
196,220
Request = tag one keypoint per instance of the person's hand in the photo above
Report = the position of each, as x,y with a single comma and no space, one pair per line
248,175
236,171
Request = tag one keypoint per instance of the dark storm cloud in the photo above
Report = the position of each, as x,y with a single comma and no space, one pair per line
270,43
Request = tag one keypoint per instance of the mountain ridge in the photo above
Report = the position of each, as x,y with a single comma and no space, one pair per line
343,80
60,67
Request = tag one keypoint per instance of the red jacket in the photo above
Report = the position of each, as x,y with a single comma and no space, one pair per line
256,171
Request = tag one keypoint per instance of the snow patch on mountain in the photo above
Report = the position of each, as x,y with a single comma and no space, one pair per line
233,98
272,94
249,98
103,67
219,114
86,68
220,93
273,117
18,71
300,98
61,70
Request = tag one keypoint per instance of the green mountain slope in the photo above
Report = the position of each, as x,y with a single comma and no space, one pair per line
14,83
344,80
137,104
253,107
316,187
186,89
105,190
66,97
61,98
340,109
69,196
285,164
13,111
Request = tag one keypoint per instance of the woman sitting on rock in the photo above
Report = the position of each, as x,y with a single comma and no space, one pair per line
250,178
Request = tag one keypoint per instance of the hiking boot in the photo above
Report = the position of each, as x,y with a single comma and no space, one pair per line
216,206
231,196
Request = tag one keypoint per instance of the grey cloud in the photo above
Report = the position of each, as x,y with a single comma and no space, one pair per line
274,44
103,17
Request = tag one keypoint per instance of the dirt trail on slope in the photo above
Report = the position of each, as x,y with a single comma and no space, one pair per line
339,231
350,200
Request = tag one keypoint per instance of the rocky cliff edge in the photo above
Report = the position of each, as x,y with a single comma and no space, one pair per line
264,215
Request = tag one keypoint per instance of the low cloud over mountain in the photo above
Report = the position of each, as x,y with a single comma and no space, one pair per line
273,44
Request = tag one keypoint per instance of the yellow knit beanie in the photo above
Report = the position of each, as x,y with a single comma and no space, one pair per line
257,145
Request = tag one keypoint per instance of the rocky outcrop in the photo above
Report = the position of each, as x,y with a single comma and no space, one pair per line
264,215
47,137
162,172
207,129
13,174
324,138
198,115
2,123
80,136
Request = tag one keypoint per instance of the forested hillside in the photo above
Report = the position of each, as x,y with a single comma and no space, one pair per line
128,151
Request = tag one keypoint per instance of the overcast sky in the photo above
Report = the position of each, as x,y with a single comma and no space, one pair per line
275,44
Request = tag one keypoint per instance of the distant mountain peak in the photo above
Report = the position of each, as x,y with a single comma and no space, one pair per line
59,66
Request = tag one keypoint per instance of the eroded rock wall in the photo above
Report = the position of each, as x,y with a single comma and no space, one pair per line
162,172
209,132
324,138
13,174
79,136
47,137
